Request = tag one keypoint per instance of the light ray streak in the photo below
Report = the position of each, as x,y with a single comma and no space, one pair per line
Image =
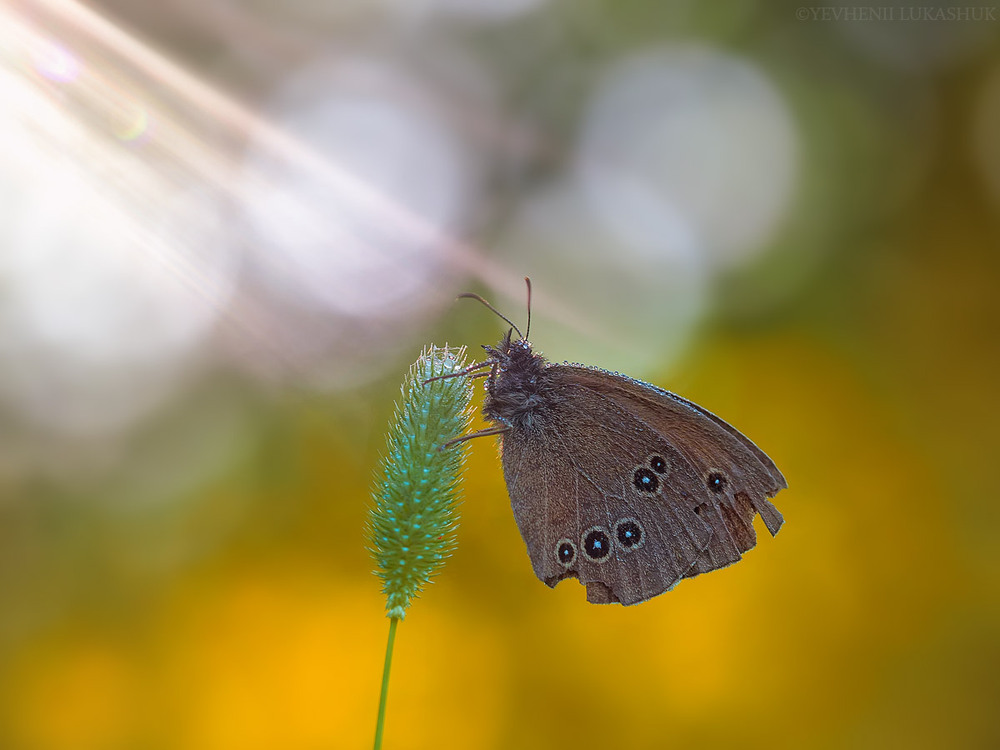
40,21
204,98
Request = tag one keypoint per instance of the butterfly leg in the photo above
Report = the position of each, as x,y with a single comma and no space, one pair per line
471,435
460,373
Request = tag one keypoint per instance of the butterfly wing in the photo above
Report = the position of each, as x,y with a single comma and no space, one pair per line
570,515
631,488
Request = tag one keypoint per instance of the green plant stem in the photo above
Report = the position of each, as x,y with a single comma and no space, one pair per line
380,724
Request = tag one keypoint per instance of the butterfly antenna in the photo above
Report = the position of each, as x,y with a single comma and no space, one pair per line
470,295
527,328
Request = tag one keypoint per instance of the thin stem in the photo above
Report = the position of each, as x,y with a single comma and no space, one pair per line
380,724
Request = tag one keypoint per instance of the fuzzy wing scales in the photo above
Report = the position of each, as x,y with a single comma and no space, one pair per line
735,478
571,479
615,484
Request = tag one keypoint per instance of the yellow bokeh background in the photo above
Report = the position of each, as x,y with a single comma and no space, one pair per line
236,609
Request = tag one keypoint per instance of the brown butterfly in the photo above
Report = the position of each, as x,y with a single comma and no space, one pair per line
616,482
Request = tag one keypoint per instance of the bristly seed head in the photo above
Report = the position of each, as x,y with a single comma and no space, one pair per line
412,525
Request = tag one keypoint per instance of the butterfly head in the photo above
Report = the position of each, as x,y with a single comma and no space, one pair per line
517,388
511,353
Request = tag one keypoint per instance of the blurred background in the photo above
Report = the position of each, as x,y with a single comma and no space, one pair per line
227,228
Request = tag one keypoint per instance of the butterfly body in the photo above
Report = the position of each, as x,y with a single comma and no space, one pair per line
623,485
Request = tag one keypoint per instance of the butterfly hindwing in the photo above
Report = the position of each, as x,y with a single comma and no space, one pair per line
630,488
625,543
738,475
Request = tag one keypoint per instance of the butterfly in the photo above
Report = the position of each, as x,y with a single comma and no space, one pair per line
616,482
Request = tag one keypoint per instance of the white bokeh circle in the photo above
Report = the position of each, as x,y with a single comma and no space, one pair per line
353,224
703,132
